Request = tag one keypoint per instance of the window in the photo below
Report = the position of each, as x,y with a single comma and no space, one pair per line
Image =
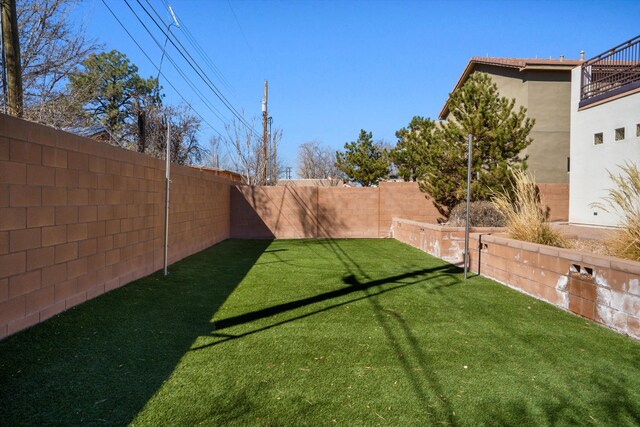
638,129
598,138
619,134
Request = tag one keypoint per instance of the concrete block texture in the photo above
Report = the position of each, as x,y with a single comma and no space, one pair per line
79,217
599,288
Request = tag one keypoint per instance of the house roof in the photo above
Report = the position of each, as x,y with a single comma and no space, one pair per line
520,64
88,131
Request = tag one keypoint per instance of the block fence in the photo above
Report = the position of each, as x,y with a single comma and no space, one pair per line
337,212
600,288
79,218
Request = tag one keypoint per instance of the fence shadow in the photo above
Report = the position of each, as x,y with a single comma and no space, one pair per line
101,362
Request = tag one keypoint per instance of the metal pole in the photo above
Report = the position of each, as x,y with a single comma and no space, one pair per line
265,115
166,197
466,225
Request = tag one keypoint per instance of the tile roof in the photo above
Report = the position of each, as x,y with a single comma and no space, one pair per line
523,62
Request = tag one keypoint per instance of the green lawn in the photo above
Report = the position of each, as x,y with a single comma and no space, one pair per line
318,332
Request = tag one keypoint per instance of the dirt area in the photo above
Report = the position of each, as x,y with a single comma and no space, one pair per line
594,246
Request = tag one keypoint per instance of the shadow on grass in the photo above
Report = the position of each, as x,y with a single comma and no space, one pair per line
100,362
355,286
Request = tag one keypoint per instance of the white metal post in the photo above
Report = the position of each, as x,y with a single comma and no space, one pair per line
466,225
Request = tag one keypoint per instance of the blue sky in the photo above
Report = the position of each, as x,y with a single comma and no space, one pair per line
335,67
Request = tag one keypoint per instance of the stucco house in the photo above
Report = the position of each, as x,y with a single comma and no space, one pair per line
605,128
543,87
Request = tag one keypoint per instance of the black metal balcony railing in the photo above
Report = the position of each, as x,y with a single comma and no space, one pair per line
612,72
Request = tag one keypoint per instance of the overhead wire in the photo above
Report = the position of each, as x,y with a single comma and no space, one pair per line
189,82
246,40
197,68
159,71
201,72
197,46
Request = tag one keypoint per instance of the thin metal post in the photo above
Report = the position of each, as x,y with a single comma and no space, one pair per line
166,198
466,225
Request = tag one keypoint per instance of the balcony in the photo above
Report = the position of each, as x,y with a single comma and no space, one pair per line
611,73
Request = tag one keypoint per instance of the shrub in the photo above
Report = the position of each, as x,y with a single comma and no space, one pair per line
481,214
524,217
625,201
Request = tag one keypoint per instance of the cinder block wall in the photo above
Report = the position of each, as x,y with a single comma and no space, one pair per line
441,241
337,212
556,198
340,212
600,288
79,218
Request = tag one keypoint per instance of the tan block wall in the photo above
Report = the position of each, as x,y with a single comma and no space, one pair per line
404,200
603,289
555,197
440,241
338,212
79,218
600,288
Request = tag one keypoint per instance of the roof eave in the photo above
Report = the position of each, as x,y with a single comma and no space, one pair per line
463,78
471,64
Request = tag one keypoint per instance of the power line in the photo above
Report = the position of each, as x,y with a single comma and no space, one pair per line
160,72
189,82
196,67
201,72
246,41
194,43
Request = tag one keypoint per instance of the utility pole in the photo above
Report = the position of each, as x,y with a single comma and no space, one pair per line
11,45
265,117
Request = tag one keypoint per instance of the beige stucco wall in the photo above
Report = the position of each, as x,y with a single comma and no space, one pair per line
546,95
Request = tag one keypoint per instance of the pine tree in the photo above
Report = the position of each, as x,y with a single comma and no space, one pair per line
363,161
108,86
500,133
410,154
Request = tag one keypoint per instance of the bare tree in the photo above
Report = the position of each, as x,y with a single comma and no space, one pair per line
52,47
245,152
317,162
216,157
185,148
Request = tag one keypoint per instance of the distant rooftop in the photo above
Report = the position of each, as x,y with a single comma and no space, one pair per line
86,131
525,62
521,64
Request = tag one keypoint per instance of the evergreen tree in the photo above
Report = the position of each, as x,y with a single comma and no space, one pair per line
500,133
410,154
363,161
109,86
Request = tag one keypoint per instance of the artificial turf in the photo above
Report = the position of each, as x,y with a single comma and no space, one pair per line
317,332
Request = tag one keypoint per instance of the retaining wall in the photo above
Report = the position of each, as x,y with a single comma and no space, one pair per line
438,240
79,218
600,288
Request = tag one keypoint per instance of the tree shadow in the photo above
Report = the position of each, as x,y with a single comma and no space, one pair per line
285,212
102,361
564,407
